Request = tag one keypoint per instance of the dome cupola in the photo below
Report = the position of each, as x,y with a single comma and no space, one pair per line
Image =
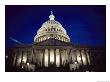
51,29
51,17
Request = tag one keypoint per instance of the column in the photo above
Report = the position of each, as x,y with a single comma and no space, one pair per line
81,57
66,54
51,56
28,58
40,57
86,57
34,57
57,58
60,58
21,58
76,60
14,60
43,64
46,58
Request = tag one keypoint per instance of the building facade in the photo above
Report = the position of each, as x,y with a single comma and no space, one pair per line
53,51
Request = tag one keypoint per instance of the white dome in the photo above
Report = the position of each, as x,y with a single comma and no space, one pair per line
51,29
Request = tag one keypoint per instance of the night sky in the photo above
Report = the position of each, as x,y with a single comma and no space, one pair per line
85,25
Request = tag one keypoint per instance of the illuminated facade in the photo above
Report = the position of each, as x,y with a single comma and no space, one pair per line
52,49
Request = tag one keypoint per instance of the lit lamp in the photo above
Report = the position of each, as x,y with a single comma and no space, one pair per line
6,57
48,37
75,62
27,64
22,67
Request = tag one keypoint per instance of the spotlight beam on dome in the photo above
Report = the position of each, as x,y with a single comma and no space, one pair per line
14,40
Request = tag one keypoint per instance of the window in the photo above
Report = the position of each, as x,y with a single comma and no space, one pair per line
51,29
54,29
48,29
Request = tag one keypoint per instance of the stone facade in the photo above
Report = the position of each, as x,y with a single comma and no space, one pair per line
46,54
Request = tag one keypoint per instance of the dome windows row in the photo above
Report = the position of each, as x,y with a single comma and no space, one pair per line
50,30
52,22
53,29
42,38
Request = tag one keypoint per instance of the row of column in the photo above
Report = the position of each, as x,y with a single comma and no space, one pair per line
22,57
46,57
80,56
52,56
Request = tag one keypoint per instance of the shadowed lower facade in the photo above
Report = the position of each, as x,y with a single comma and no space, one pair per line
52,51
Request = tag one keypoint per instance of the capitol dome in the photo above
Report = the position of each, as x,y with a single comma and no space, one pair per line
51,29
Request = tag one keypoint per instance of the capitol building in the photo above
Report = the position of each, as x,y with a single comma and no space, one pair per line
53,51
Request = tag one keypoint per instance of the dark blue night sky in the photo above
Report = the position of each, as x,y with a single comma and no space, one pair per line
86,25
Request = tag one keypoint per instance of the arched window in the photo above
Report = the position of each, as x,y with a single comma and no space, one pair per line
54,29
39,39
48,29
51,29
36,40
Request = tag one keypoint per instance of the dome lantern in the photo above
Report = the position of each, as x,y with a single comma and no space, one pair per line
51,17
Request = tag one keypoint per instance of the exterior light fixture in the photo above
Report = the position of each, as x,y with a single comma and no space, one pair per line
28,64
48,37
22,67
75,62
6,57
